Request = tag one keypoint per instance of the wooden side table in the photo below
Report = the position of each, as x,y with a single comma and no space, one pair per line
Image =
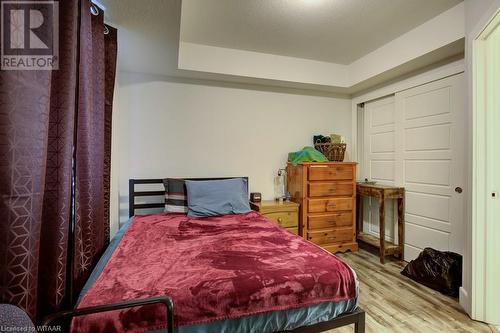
286,213
382,192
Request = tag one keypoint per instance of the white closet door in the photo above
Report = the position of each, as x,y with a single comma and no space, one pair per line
379,148
430,164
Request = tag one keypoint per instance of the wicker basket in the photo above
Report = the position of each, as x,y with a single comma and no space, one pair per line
333,151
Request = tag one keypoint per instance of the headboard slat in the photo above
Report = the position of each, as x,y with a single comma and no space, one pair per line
149,205
148,193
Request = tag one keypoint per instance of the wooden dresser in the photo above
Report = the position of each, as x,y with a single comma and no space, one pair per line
326,193
286,214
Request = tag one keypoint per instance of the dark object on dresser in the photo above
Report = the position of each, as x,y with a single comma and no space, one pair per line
255,197
441,271
321,139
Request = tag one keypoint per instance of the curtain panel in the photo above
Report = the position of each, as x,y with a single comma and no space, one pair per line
56,212
110,53
55,152
89,149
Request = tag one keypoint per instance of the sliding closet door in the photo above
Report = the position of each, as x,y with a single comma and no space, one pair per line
430,164
379,160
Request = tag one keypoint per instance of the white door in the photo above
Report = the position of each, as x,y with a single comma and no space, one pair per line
379,161
485,229
430,145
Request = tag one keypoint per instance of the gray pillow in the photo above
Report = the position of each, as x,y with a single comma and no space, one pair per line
217,197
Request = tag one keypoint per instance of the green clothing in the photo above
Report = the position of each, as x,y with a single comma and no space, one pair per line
307,154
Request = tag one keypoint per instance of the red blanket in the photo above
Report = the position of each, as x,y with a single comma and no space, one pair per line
214,269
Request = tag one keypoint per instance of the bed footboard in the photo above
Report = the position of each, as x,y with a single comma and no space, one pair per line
66,314
356,317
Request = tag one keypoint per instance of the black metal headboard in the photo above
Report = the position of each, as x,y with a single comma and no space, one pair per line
132,206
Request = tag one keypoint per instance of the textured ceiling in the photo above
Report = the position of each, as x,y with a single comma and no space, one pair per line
148,42
338,31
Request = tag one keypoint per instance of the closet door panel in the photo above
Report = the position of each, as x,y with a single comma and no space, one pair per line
429,164
435,172
431,137
379,143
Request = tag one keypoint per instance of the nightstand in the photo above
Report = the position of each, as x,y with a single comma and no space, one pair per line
286,213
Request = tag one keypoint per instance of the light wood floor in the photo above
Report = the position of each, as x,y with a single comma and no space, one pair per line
394,303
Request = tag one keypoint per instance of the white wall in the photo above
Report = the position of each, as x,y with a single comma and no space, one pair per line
179,129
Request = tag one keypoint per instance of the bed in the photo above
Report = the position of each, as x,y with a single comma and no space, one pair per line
233,273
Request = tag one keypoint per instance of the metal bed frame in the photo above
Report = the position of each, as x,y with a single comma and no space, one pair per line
357,317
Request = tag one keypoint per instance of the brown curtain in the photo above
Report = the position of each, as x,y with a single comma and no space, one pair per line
24,123
89,160
110,51
56,213
48,119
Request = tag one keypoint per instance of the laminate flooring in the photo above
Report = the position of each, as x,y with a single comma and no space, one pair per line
395,303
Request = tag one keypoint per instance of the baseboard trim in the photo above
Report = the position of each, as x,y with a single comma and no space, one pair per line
464,300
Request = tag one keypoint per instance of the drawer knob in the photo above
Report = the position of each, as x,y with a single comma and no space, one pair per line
280,220
331,206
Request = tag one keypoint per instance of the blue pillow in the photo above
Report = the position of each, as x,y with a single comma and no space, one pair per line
217,197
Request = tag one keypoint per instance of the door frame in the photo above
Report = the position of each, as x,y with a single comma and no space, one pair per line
481,244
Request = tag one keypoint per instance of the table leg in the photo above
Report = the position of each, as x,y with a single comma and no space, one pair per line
359,218
382,229
401,227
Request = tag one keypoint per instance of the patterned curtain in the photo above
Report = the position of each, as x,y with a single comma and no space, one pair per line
56,214
48,120
93,144
110,51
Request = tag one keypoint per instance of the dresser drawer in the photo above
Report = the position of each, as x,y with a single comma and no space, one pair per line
341,219
330,189
293,230
329,205
331,236
331,172
284,219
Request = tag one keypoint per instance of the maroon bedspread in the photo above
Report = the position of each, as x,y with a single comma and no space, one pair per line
214,269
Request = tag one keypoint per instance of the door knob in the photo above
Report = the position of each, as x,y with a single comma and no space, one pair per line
458,189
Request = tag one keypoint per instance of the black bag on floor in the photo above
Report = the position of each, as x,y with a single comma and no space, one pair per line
441,271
